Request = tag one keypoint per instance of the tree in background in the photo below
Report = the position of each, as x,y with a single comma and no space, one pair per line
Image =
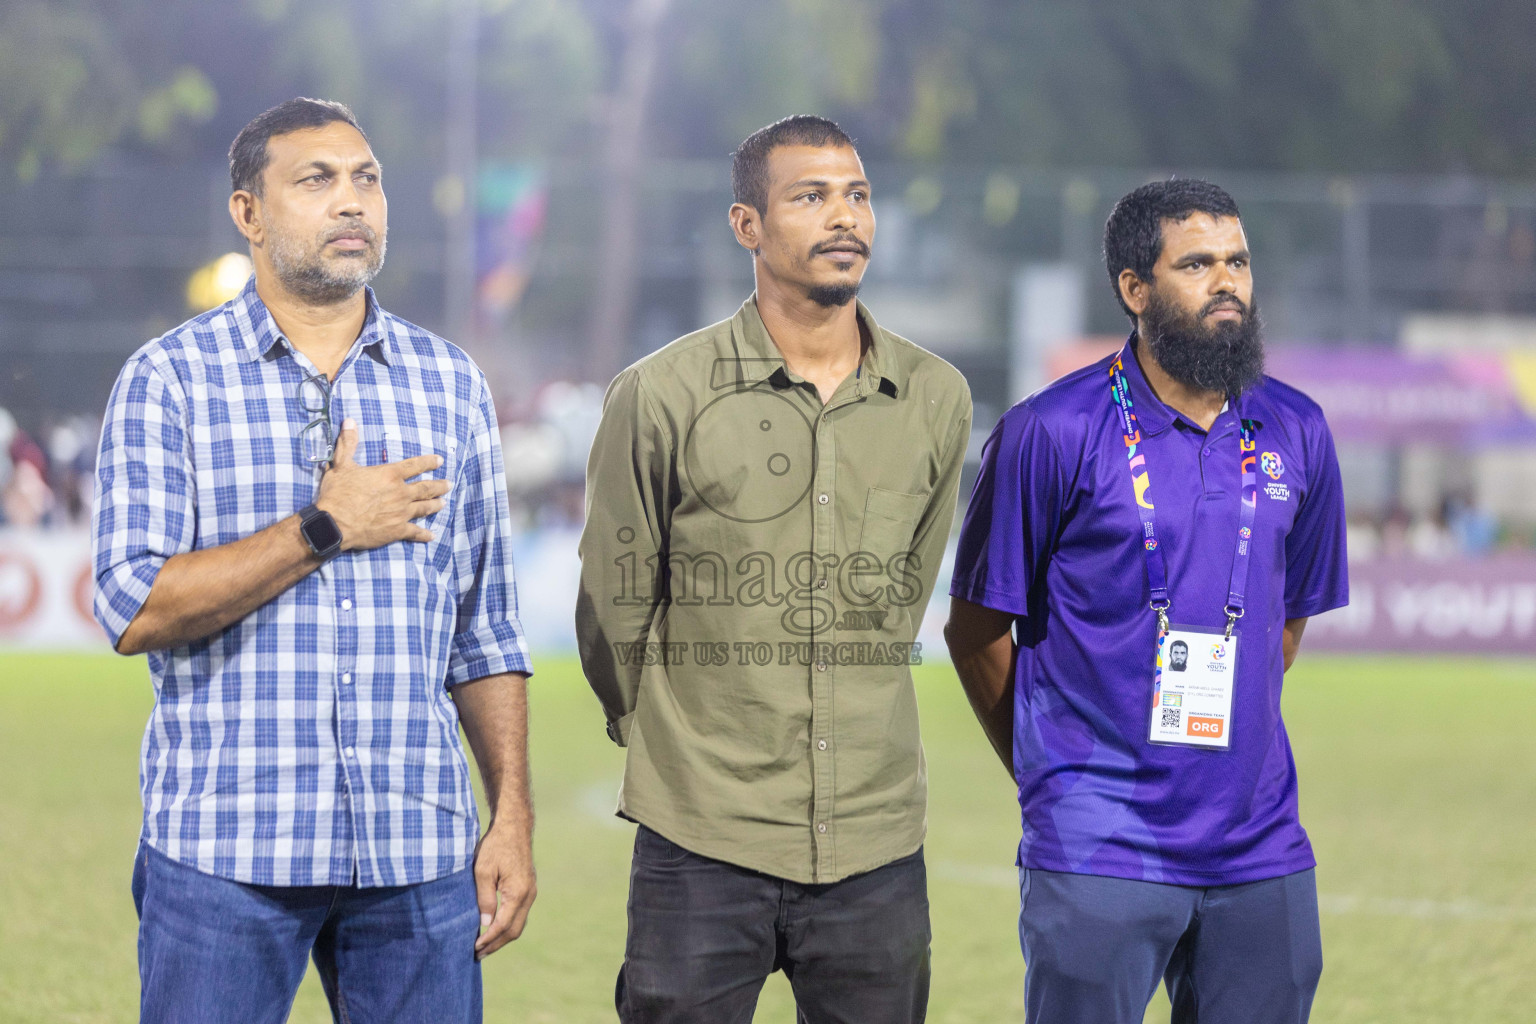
80,78
1390,85
1315,85
73,82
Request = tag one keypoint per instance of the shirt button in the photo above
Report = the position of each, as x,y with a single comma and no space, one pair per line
822,828
346,604
823,498
821,744
349,752
821,666
821,584
346,679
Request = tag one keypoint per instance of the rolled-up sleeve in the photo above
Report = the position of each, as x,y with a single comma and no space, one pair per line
144,509
488,639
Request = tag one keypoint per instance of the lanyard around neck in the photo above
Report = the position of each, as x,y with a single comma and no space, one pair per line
1136,460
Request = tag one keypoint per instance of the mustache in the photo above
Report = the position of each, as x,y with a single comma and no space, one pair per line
839,241
1224,302
351,230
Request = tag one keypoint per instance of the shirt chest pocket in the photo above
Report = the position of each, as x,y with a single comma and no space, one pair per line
890,520
397,444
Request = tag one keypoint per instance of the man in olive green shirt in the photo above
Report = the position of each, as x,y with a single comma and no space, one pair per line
768,501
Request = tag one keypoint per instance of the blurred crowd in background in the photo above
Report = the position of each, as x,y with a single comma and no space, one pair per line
47,481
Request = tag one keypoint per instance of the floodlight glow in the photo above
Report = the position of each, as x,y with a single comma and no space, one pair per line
215,283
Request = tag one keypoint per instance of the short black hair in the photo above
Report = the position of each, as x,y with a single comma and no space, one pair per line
1133,235
749,165
248,153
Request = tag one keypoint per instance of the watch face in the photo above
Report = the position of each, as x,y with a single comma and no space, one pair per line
322,532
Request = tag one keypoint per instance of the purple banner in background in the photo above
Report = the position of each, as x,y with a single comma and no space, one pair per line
1383,395
1462,606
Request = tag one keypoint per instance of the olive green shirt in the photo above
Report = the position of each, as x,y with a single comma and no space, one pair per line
754,568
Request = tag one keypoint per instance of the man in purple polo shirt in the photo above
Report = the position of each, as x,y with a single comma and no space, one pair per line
1145,542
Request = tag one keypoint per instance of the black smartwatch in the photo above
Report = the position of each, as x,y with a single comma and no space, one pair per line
320,532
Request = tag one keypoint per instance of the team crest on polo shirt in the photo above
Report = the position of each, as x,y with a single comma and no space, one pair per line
1274,468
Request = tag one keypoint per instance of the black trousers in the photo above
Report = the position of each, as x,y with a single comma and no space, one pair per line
704,936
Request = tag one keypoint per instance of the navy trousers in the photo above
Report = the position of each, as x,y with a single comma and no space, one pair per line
704,936
1095,947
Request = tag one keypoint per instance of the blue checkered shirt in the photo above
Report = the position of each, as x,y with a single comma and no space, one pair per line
314,742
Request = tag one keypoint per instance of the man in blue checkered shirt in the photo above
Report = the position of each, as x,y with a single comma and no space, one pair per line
302,518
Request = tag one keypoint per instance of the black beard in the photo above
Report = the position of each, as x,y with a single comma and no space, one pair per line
1227,357
833,295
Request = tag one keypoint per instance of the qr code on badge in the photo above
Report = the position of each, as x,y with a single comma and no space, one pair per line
1170,718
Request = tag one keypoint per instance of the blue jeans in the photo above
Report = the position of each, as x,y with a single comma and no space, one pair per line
704,936
213,951
1095,947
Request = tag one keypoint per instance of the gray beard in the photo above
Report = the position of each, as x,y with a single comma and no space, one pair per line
309,275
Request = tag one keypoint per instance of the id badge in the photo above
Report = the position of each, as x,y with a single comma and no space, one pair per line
1192,702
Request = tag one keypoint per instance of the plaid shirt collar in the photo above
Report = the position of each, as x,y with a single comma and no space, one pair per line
258,332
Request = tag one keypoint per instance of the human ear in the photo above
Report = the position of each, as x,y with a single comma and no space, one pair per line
745,225
1134,292
245,211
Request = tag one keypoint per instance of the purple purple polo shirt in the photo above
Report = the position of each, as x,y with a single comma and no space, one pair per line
1052,536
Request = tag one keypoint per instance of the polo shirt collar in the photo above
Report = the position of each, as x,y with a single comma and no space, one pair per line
1156,417
759,359
1153,416
256,332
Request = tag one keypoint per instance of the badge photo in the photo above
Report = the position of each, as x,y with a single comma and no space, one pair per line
1192,705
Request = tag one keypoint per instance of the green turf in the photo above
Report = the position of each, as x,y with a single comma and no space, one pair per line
1418,787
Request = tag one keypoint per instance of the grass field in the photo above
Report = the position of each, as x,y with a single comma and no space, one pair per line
1418,788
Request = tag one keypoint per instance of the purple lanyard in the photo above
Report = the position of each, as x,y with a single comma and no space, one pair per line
1136,460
